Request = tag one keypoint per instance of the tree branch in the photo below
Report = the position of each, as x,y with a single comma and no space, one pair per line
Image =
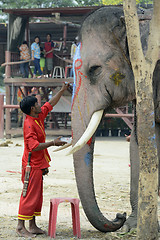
133,33
152,54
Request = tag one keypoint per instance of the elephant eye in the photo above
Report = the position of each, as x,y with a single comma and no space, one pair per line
93,72
94,69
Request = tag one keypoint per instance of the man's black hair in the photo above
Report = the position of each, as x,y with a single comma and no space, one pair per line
49,35
27,103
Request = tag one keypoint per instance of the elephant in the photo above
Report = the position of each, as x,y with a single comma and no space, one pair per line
104,80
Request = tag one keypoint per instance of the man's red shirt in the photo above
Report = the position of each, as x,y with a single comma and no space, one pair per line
34,133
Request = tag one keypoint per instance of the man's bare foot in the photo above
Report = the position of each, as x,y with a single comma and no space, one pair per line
36,230
22,232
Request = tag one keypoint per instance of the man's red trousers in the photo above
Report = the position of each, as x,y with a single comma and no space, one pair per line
31,205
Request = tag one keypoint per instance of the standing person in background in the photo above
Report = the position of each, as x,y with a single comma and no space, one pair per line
35,49
48,53
24,55
73,50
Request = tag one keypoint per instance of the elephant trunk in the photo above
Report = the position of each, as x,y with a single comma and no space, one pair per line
83,164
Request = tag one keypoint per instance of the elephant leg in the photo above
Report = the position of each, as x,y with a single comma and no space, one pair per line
131,222
157,128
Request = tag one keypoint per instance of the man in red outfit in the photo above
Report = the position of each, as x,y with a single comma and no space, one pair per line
34,142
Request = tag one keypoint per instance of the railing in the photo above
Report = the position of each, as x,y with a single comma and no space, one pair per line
2,107
12,70
8,120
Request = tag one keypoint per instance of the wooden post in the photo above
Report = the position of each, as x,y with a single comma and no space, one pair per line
8,115
27,31
1,116
8,67
64,36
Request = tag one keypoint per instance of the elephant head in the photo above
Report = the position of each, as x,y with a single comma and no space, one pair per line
104,79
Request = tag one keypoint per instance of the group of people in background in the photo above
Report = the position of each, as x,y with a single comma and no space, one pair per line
37,53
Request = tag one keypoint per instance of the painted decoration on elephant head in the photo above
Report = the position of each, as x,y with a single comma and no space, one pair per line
77,63
79,78
88,158
117,77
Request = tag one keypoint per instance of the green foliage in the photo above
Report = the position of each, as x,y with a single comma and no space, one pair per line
59,3
116,2
47,3
89,2
2,70
112,2
35,3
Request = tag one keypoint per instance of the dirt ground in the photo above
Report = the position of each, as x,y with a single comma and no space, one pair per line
111,175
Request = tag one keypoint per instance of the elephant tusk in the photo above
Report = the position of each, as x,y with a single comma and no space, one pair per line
90,130
63,147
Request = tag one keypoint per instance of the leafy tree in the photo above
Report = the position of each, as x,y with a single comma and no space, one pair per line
35,3
89,2
59,3
116,2
47,3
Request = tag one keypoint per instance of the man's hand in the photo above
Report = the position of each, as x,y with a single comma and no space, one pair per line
54,100
58,142
65,86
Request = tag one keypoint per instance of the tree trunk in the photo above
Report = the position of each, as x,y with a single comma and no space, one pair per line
143,67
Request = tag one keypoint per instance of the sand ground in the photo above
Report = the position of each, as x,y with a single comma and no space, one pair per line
111,175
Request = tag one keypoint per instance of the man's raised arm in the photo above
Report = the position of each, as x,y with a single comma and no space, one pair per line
54,100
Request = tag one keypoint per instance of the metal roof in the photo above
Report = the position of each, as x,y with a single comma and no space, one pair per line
48,12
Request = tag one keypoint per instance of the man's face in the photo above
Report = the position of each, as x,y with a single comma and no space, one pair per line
37,108
48,38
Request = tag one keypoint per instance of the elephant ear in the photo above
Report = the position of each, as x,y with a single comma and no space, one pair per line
122,20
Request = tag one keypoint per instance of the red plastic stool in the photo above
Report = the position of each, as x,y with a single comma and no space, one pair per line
54,202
